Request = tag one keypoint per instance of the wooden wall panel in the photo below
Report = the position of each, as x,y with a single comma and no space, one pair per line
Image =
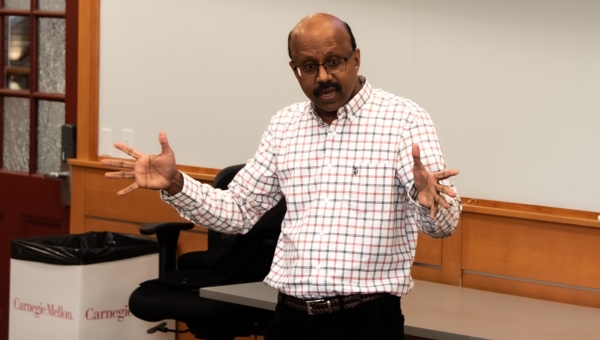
192,241
100,224
452,257
531,249
140,206
77,223
96,207
429,250
425,273
533,290
439,260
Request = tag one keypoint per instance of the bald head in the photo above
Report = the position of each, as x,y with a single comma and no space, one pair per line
318,22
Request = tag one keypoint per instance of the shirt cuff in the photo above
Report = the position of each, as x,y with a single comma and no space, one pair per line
165,196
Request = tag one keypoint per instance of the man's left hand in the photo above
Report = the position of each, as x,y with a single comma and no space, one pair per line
428,185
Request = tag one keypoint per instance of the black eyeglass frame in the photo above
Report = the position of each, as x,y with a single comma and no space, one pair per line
324,66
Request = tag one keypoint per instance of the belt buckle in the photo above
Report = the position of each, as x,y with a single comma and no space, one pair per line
309,308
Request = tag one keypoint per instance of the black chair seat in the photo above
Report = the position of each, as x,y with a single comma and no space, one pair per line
206,318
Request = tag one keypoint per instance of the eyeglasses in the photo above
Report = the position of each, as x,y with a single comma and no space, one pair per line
331,67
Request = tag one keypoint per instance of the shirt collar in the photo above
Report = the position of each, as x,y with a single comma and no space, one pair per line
354,105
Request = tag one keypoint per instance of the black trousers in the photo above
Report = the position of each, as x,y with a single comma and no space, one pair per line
380,319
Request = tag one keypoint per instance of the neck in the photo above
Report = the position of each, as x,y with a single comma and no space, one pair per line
327,116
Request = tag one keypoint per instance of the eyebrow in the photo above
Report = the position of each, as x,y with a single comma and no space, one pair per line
331,53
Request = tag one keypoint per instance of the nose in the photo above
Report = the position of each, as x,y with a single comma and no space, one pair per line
322,75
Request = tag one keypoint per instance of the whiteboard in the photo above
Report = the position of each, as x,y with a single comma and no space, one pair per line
512,86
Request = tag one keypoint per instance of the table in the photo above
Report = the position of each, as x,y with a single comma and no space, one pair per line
439,311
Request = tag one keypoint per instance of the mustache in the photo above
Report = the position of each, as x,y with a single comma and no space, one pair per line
322,86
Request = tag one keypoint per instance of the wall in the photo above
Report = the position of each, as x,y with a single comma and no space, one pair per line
511,85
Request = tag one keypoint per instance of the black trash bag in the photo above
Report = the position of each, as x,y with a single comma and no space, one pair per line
81,249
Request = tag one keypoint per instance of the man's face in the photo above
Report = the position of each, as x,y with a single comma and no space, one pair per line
328,92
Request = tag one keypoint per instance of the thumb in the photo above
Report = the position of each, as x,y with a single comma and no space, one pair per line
164,142
416,152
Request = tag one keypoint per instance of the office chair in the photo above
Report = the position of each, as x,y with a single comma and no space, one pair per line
230,259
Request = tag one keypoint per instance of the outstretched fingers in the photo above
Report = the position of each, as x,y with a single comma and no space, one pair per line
119,174
433,211
441,200
445,174
442,189
128,150
118,163
133,187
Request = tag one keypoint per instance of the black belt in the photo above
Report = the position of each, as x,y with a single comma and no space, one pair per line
328,305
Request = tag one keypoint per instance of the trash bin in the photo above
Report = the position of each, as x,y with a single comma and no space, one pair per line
77,286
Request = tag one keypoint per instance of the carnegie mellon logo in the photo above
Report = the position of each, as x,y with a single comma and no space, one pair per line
58,311
119,314
49,309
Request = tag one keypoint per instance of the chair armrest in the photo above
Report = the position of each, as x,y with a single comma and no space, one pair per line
158,227
167,234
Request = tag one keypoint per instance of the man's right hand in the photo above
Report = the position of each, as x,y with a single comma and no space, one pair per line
157,172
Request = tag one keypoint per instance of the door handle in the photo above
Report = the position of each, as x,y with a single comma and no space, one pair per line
68,139
58,175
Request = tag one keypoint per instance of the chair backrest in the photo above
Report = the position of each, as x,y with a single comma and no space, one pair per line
225,176
221,181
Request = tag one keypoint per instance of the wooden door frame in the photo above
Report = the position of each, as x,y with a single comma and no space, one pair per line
88,80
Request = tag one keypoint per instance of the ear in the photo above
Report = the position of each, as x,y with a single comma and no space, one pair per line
295,73
356,57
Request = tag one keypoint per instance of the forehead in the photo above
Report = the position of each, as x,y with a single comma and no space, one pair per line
320,40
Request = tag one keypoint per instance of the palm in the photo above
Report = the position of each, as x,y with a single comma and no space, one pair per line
429,189
154,172
424,183
148,171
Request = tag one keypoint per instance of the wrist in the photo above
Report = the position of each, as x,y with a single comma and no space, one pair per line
176,184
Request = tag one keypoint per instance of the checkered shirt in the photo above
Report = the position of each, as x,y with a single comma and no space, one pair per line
352,219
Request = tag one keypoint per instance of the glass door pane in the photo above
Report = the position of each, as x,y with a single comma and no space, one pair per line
52,5
51,55
17,4
51,116
15,144
16,47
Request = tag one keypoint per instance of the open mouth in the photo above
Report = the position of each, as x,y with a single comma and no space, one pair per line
327,90
328,93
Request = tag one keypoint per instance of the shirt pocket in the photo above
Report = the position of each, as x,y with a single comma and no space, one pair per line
370,196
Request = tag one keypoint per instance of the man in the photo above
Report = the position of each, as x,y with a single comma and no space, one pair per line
361,170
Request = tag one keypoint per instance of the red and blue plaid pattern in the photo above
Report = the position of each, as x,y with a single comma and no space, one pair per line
352,219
